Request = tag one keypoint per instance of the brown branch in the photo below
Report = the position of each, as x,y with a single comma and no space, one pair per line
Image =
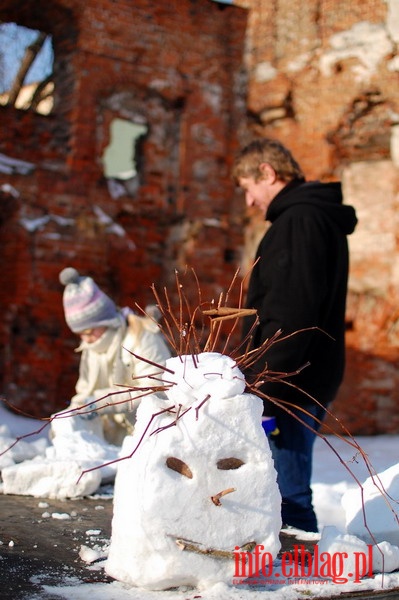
216,499
150,362
197,408
191,547
119,459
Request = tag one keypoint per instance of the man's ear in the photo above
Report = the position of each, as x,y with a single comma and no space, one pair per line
268,172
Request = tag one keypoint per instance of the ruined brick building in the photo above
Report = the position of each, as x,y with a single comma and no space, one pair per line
194,79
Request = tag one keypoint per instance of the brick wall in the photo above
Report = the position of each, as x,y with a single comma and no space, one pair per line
174,66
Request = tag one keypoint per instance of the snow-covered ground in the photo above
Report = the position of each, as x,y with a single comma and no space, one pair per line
330,481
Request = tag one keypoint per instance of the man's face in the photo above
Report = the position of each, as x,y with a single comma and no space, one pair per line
260,192
257,193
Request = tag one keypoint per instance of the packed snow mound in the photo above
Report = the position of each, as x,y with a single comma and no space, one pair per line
385,558
349,548
50,479
11,452
57,472
351,559
32,434
196,487
380,497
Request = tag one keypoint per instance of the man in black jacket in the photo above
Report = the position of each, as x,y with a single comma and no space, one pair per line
299,286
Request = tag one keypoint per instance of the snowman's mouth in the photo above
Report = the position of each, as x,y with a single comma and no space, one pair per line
198,548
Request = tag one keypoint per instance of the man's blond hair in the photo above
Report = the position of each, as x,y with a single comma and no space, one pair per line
267,151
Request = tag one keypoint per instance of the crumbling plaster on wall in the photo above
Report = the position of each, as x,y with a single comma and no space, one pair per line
290,51
392,21
264,71
367,43
394,141
372,187
98,218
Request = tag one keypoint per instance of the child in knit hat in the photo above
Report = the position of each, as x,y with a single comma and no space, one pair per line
108,337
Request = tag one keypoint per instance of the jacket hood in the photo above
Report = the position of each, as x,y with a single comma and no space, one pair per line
326,196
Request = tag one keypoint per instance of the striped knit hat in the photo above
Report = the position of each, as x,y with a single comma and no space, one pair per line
85,305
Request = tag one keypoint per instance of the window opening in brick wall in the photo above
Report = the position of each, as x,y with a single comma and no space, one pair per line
122,157
26,68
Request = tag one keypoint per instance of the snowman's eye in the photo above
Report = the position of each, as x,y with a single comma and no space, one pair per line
179,466
226,464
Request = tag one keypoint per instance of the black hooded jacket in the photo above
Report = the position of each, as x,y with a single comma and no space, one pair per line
299,282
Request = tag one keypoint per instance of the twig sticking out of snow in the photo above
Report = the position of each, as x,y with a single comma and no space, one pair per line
223,554
216,499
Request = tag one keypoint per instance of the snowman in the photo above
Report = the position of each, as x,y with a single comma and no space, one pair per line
197,483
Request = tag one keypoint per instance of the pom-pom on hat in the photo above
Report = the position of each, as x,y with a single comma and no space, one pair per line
85,305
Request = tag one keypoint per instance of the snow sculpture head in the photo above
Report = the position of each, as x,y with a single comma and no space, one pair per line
201,486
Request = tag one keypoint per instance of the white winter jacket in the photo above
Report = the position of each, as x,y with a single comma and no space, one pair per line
108,368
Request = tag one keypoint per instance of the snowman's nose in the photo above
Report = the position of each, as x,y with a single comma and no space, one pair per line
216,499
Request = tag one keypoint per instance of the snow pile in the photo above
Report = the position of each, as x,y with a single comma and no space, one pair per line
19,452
15,426
57,469
385,558
369,539
380,497
195,488
360,559
50,479
93,554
